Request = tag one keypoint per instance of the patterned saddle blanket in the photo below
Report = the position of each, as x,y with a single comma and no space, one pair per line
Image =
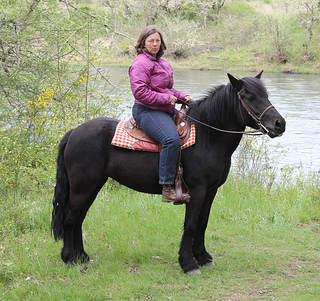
129,135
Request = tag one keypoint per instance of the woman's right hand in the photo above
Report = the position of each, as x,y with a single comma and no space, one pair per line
173,100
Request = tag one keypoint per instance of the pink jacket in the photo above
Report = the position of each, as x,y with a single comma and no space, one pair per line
152,82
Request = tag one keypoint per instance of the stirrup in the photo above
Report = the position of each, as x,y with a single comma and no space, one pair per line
182,191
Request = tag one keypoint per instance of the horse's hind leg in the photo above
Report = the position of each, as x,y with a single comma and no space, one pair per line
68,254
81,255
73,249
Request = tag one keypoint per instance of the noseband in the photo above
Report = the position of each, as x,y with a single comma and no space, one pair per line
257,119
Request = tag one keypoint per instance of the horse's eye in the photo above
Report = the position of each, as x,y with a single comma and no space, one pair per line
249,97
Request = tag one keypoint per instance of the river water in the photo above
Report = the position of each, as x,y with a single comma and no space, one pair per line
296,97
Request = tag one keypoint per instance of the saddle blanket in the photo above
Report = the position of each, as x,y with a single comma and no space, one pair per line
122,139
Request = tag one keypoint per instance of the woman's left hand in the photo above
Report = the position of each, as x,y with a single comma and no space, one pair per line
188,100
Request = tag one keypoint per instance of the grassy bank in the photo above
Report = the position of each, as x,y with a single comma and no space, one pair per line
240,60
273,35
265,244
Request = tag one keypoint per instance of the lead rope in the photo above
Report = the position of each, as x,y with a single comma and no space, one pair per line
252,132
260,131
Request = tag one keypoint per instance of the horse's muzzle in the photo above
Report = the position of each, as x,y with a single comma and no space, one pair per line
278,128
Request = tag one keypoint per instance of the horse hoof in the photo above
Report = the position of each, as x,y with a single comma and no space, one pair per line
72,262
193,272
209,264
83,257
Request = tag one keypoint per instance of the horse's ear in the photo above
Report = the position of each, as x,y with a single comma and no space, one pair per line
259,75
236,83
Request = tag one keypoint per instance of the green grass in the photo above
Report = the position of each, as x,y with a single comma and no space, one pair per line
265,245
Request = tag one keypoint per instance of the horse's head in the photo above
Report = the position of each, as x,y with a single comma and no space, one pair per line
256,109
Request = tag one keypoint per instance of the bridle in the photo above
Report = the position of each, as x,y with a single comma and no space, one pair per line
261,131
257,119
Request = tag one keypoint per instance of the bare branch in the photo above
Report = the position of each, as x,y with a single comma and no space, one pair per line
119,33
29,14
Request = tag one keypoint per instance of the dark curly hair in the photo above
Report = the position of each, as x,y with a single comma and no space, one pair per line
147,31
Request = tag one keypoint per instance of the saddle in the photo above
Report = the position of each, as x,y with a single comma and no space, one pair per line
147,143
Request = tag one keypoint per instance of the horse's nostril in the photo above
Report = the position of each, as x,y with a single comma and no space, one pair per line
280,124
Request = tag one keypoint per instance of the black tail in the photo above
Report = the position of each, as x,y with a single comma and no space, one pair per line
61,192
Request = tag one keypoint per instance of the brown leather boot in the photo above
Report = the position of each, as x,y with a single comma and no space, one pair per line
169,195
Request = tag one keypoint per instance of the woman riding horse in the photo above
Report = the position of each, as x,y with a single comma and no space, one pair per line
151,79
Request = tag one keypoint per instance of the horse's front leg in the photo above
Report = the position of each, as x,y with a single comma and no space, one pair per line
199,251
186,257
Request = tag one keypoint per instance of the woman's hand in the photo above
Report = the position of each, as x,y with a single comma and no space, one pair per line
188,100
173,100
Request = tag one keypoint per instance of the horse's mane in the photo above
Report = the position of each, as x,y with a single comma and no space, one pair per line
220,106
214,106
215,109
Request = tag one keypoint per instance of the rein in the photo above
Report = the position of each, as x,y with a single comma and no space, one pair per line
261,131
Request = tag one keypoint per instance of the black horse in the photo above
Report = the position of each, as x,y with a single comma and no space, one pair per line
86,160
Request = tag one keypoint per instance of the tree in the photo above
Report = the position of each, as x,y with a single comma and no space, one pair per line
217,6
205,6
309,13
312,13
48,82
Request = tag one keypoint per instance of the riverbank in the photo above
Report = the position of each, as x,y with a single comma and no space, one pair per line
240,60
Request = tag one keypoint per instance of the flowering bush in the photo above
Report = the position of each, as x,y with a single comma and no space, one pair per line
49,84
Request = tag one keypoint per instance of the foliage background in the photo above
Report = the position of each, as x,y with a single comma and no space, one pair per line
51,52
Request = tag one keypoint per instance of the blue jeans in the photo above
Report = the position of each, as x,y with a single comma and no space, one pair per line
160,126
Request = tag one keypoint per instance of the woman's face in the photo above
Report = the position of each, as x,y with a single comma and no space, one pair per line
152,44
